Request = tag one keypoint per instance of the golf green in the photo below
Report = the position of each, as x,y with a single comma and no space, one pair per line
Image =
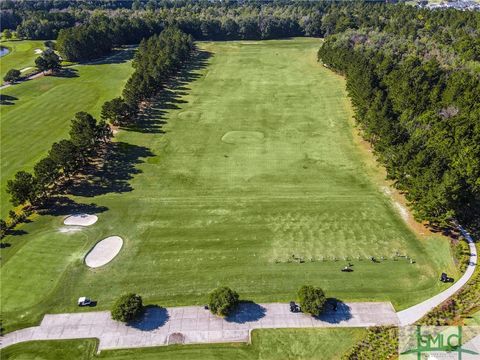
245,174
21,55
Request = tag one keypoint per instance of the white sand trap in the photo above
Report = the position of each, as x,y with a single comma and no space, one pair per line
38,51
243,137
26,69
81,220
104,251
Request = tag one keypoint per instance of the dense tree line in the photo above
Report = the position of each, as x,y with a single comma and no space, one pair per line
125,22
100,31
64,159
43,25
101,34
421,112
97,37
157,59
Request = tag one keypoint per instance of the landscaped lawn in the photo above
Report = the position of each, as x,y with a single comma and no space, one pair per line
280,344
40,111
245,175
22,55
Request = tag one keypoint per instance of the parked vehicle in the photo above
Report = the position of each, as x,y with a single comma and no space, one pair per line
84,301
294,307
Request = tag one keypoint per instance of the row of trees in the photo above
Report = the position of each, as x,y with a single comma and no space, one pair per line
221,301
158,58
422,115
64,159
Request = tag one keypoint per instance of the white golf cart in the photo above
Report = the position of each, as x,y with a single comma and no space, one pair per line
84,301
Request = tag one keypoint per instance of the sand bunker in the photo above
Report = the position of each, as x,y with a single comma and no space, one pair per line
81,220
38,51
243,137
104,251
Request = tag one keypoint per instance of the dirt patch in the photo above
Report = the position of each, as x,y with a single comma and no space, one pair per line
402,210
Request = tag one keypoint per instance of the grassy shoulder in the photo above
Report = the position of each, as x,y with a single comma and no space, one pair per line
280,344
21,55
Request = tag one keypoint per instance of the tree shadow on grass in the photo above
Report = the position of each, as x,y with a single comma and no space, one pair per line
63,205
153,117
335,312
67,72
153,317
7,99
15,232
118,56
246,311
113,175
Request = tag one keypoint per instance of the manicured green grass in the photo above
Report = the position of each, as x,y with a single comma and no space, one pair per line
22,55
255,163
41,110
51,350
279,344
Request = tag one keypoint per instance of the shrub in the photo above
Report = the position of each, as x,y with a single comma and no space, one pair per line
3,228
12,75
127,308
380,342
222,301
312,300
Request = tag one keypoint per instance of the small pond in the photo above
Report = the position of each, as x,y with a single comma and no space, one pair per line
4,51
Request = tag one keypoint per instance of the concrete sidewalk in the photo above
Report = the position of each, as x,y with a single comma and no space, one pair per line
194,324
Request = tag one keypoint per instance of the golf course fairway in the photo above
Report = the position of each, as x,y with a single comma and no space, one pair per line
244,173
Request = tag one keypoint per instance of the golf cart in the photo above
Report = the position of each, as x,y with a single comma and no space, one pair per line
84,301
294,307
444,278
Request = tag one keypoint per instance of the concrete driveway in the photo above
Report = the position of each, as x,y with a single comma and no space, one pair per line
194,324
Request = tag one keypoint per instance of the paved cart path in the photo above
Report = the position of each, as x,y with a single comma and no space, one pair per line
194,324
416,312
